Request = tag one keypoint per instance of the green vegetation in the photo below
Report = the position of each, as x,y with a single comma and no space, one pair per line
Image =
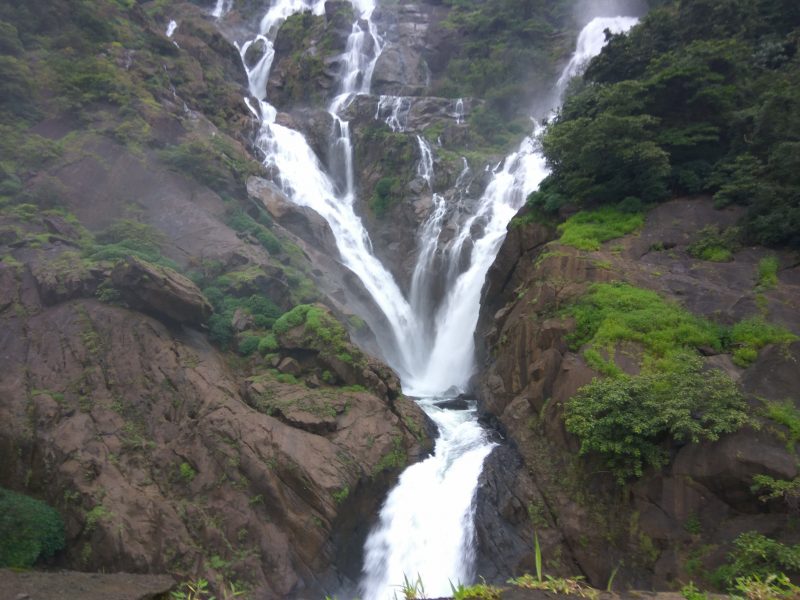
341,495
244,223
396,458
557,585
386,193
715,245
213,161
618,312
756,556
750,335
702,97
767,273
630,420
187,473
771,488
788,415
590,228
29,530
478,591
505,51
126,237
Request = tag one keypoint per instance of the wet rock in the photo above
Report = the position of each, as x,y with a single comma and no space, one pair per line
161,290
453,404
241,320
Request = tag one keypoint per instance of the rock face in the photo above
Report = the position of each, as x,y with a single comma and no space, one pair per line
703,499
160,290
164,458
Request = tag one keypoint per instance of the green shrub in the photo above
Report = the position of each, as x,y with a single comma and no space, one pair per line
241,221
385,195
29,530
268,344
627,420
786,414
186,471
767,273
715,245
755,555
291,319
588,229
248,344
125,237
750,335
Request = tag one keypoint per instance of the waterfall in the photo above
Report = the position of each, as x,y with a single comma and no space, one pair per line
397,108
426,526
459,112
590,42
425,165
221,8
171,27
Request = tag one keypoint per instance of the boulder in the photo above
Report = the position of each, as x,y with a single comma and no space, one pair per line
161,291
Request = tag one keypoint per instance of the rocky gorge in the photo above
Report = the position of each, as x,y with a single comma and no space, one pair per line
200,384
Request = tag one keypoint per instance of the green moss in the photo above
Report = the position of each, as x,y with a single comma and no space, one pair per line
750,335
588,229
618,312
29,530
395,458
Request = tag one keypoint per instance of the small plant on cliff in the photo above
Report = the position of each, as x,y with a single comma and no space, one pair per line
557,585
478,591
29,530
756,556
412,589
630,420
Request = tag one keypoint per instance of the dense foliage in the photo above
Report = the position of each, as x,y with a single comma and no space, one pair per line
628,419
702,97
29,530
506,52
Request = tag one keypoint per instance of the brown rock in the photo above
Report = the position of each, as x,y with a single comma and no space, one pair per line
161,290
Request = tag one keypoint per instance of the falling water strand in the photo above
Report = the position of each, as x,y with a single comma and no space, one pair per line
459,112
426,526
221,8
425,164
171,27
394,111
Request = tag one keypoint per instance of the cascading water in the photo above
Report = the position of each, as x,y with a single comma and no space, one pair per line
394,111
426,526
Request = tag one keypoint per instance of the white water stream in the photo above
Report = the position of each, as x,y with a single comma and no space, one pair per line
426,526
